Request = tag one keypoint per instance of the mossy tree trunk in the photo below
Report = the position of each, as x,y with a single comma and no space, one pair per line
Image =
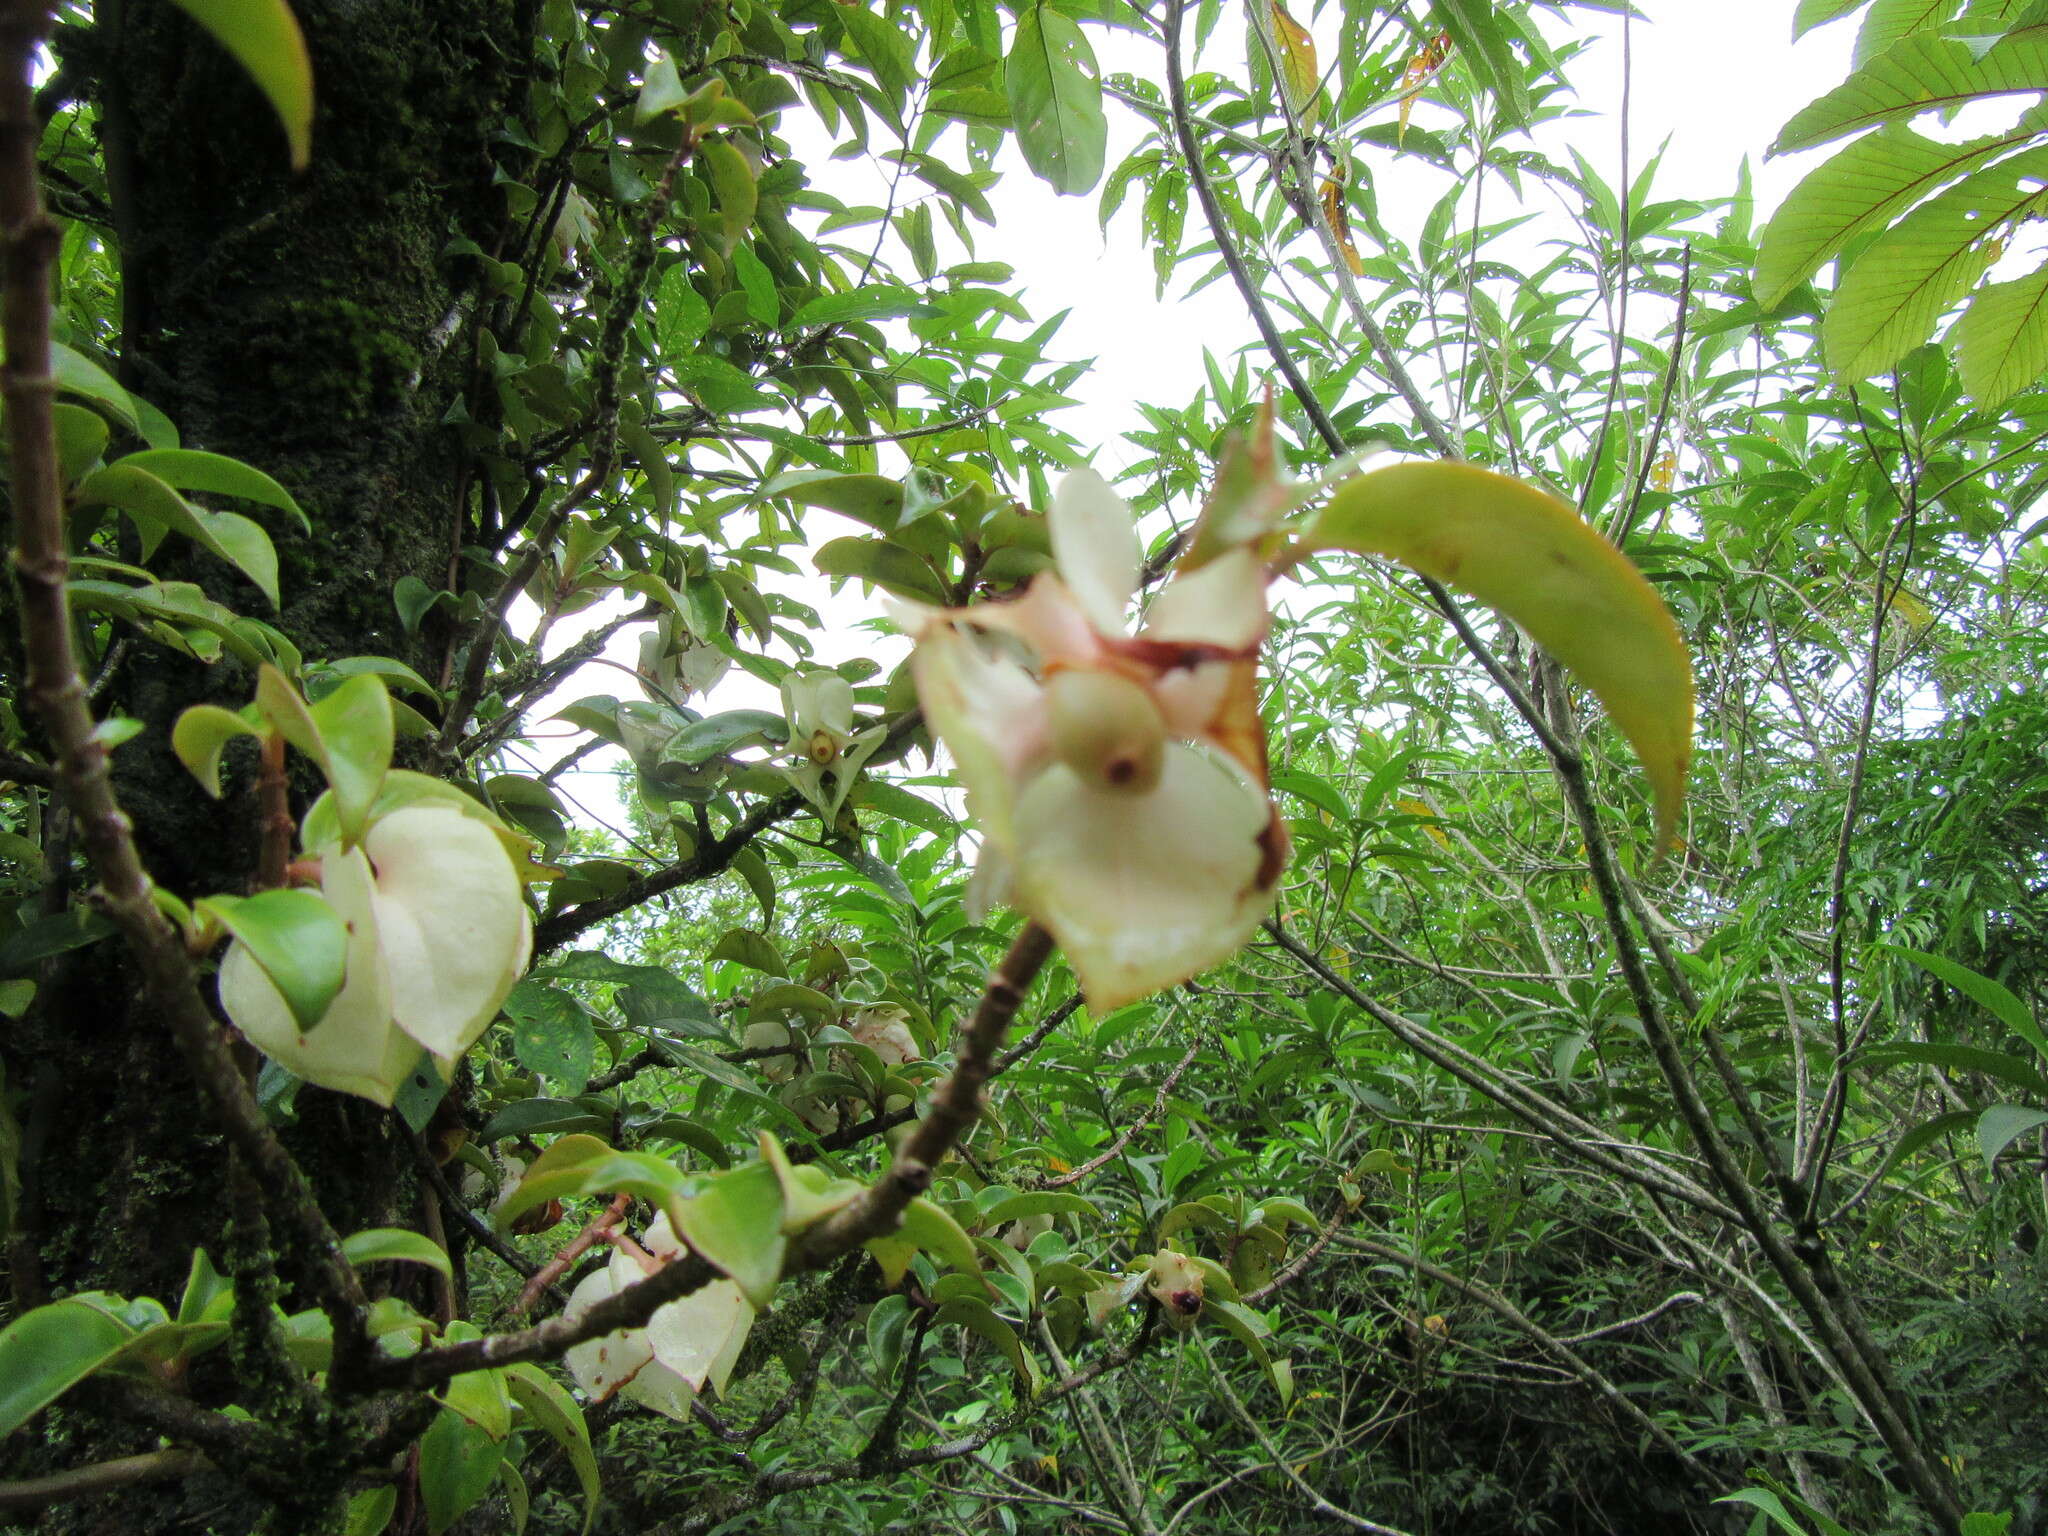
313,326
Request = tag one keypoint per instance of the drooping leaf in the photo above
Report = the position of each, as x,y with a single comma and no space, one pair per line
395,1245
559,1417
2002,1124
1056,100
201,735
1522,551
266,41
458,1463
190,469
48,1350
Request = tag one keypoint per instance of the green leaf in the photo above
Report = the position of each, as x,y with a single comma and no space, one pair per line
929,1229
540,1117
481,1398
792,997
1923,73
201,735
80,375
1858,189
880,302
458,1464
561,1419
1818,13
875,500
1981,990
296,937
53,933
1037,1203
2001,1124
722,733
2002,338
357,733
894,800
978,1317
1524,552
49,1350
663,91
736,1224
154,507
266,41
1963,1058
189,469
1056,100
733,189
743,946
397,1246
552,1034
1475,31
1909,276
369,1512
888,566
81,439
882,45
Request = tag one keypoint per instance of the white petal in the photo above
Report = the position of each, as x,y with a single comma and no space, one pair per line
1223,603
1095,543
655,1386
990,715
454,926
354,1048
692,1335
1144,891
601,1366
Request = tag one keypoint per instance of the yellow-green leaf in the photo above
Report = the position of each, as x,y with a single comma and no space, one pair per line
2002,338
1299,72
266,41
1524,552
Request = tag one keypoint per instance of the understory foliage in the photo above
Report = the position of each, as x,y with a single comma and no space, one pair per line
1252,1025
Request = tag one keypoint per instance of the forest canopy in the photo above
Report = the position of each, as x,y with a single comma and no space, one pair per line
638,894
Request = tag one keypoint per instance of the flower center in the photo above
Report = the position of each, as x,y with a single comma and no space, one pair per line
1106,728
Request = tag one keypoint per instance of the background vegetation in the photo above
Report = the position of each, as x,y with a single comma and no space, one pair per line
1563,1189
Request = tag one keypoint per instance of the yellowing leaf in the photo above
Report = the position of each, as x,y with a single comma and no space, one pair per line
1298,68
266,41
1340,224
1524,552
1420,68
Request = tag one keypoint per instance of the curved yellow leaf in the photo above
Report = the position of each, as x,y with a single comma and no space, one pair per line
1527,554
265,39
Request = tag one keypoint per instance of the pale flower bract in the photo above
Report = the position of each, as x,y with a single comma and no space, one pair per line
1119,779
438,935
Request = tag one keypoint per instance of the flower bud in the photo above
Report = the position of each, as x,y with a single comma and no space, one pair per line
1106,728
1176,1285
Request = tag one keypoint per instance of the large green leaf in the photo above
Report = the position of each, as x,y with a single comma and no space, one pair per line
1056,100
1521,550
47,1351
189,469
560,1417
2002,338
1987,994
2002,1124
1858,189
458,1464
395,1245
1908,277
266,41
736,1224
156,508
1924,73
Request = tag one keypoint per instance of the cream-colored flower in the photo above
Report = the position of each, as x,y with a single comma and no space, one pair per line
683,1346
438,935
1119,779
